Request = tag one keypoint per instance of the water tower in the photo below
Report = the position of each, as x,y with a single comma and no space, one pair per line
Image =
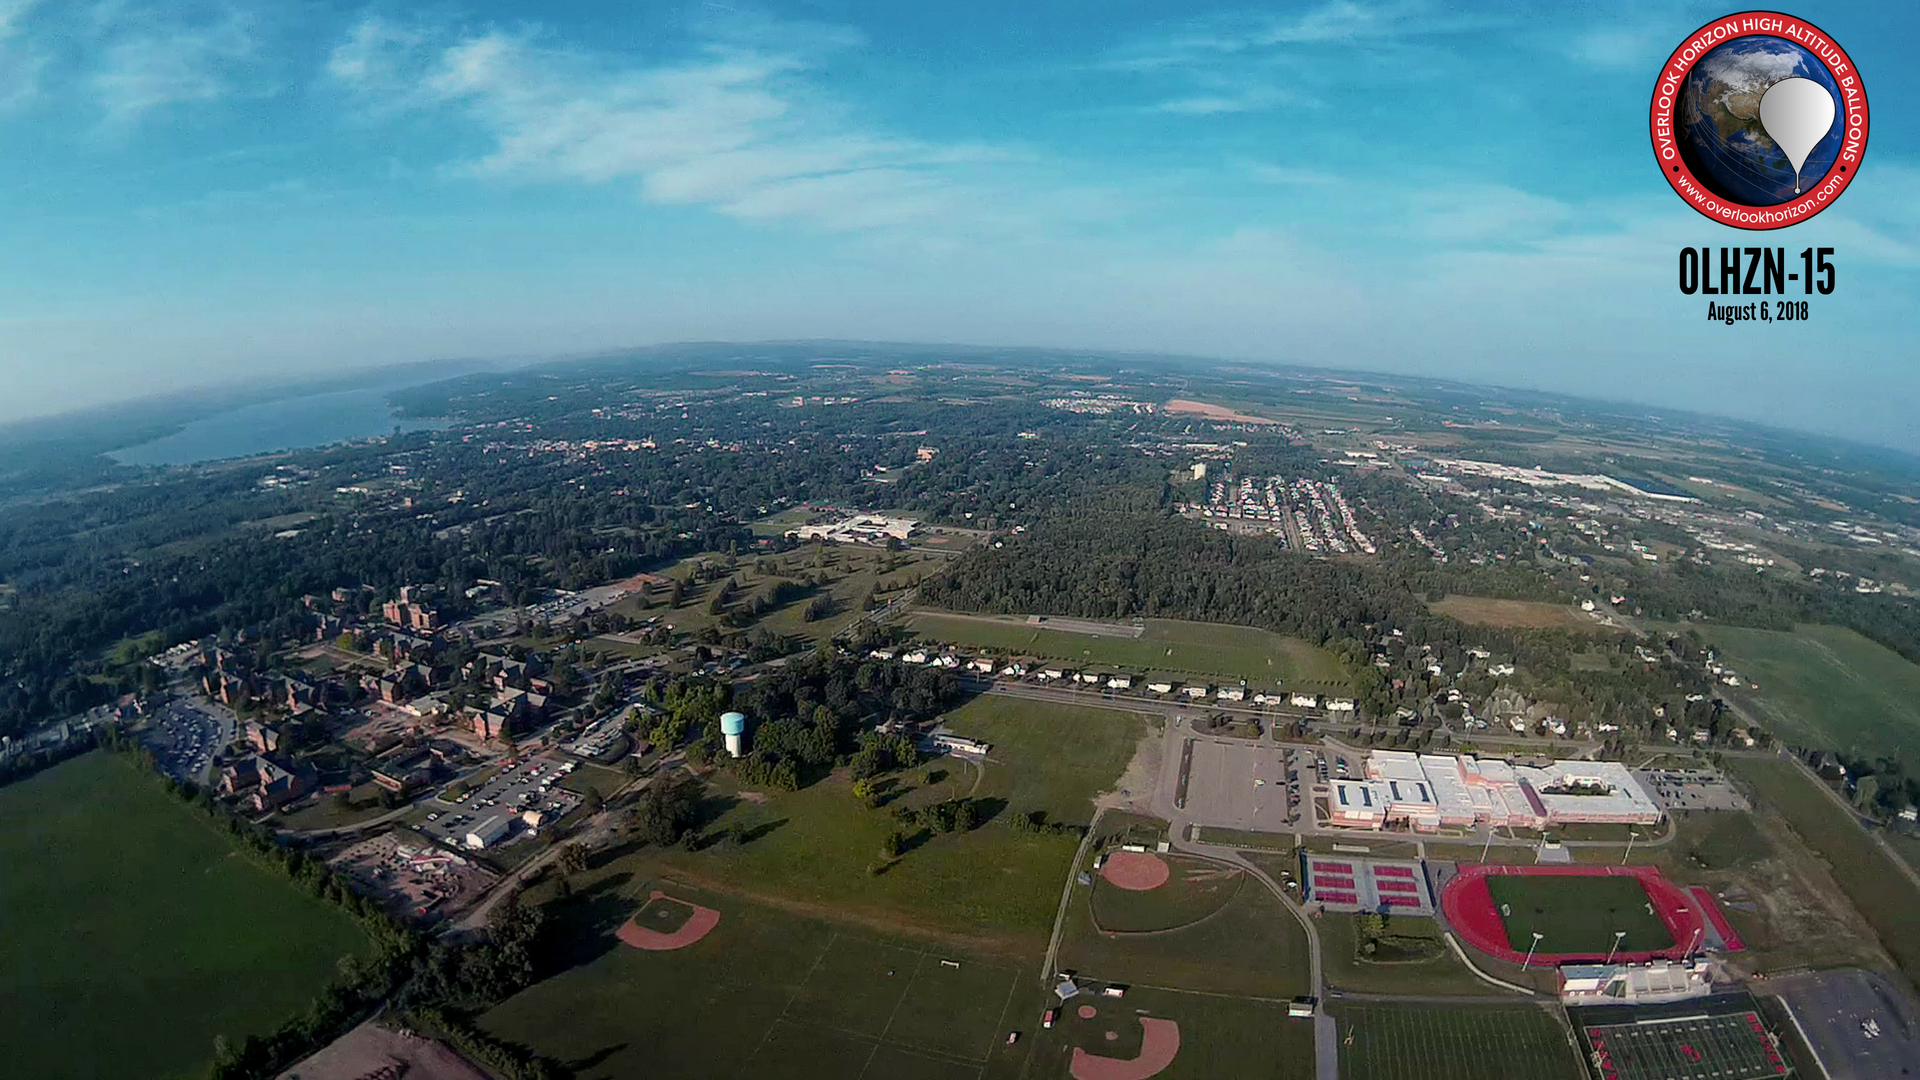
733,726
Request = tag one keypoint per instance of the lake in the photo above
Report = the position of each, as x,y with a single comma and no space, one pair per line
289,424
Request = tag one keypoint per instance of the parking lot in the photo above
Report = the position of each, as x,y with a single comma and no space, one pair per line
185,735
532,785
1692,789
1241,785
1859,1025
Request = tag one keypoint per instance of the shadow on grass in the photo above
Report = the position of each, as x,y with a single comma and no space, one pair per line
594,1059
584,924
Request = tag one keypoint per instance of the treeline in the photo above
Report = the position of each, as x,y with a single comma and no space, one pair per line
805,718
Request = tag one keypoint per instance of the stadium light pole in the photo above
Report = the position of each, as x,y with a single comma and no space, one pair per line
1617,935
1631,837
1489,846
1528,962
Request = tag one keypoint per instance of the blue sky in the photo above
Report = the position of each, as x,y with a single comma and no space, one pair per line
192,193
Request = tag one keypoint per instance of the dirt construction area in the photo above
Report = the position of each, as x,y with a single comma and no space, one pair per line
371,1052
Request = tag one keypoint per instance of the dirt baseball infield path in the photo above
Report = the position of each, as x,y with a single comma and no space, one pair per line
698,925
1136,871
1159,1042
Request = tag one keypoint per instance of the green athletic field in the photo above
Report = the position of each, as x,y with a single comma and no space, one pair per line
132,932
1457,1042
1576,913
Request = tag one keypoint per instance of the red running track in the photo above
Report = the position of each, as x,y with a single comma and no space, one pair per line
1469,907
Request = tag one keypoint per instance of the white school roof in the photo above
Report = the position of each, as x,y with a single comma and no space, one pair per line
1394,765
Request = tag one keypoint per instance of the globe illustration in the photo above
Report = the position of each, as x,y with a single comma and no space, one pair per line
1718,120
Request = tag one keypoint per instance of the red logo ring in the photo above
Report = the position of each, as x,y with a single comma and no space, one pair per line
1851,112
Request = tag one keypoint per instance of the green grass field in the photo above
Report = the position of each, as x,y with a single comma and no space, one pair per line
1345,968
1195,890
1220,1038
852,572
1253,946
134,933
1459,1042
1827,687
819,845
1576,914
1049,757
1167,647
766,994
1884,895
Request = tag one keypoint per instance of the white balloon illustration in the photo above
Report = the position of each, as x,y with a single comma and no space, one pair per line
1797,114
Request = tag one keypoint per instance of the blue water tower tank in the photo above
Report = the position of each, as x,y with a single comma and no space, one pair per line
733,726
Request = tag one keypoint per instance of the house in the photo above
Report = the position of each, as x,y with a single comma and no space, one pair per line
1304,701
884,654
1231,693
1500,669
1120,682
1196,691
983,665
1014,670
1052,673
941,742
1160,687
917,656
1340,704
1089,678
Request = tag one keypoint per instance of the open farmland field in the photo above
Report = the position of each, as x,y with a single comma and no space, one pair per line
1827,687
1878,885
134,933
1166,647
1514,614
1028,767
1452,1042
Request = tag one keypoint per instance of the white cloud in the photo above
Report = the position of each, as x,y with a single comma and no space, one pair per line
150,67
20,61
738,126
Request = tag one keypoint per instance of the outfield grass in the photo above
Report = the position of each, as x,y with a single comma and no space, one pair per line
134,932
1884,895
1220,1038
1194,890
1167,647
1253,946
1577,913
1827,687
766,994
1460,1042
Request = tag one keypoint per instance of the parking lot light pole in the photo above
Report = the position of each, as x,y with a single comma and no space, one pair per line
1528,962
1617,935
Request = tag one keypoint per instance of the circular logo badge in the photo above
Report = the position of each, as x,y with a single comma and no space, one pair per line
1759,120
